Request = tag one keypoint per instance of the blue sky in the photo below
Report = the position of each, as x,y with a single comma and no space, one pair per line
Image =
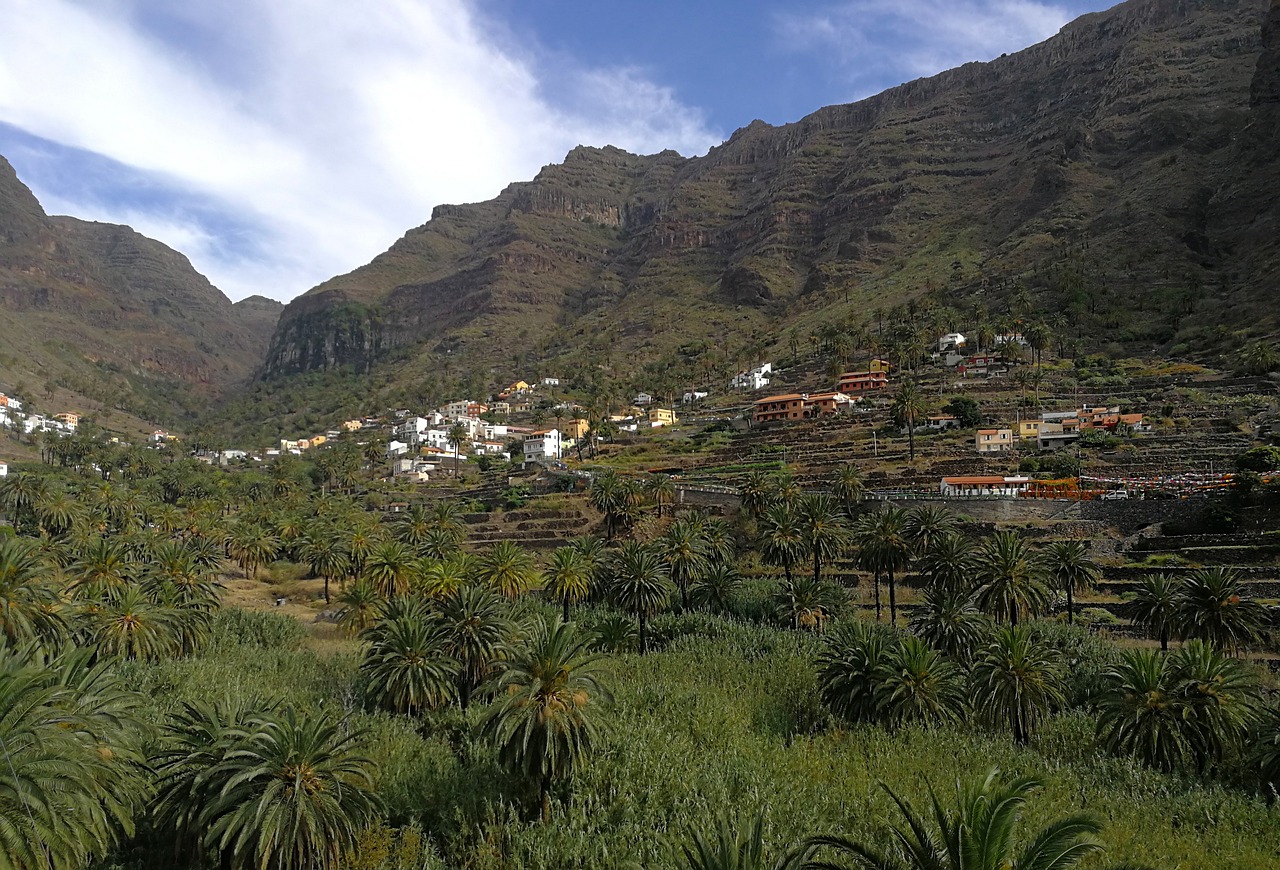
280,142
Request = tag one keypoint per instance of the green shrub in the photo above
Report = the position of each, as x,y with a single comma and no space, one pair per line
266,630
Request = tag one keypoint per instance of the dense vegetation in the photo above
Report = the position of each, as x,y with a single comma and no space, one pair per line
635,700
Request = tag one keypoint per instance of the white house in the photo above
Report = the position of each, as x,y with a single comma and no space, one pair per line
752,379
643,399
542,446
410,431
969,487
396,448
490,448
692,396
952,340
438,438
458,408
4,469
414,469
551,382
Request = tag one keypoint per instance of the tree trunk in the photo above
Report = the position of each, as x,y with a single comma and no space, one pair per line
1164,640
1013,616
1071,614
644,639
464,692
817,566
911,439
893,600
876,579
326,589
566,608
544,795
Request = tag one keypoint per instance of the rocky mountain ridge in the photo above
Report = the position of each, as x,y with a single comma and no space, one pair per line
1139,134
108,315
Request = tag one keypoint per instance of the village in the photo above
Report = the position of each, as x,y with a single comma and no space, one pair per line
537,424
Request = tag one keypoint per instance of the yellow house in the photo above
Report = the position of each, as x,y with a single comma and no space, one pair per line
879,366
575,429
662,417
351,425
1028,430
518,387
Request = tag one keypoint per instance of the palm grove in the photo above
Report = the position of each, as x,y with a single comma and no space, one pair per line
489,703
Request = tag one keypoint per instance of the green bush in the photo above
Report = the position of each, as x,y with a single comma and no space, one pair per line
265,630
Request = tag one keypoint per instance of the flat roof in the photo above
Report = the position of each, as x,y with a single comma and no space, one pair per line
785,397
974,481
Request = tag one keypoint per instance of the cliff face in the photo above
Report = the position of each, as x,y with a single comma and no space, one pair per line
1135,134
100,309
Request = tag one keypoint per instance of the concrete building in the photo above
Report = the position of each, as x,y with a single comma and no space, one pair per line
984,486
993,440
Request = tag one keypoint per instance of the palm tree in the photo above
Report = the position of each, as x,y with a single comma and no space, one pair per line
30,607
19,494
391,567
824,534
1265,754
1017,681
129,624
925,526
281,790
360,604
850,488
476,632
1212,608
909,407
951,622
976,834
544,723
71,781
438,543
252,546
883,546
781,537
507,569
456,437
714,588
1140,713
850,667
321,549
917,684
103,565
1069,568
1155,606
727,847
441,577
949,564
661,490
756,494
684,551
1010,578
568,578
609,495
1219,701
641,585
805,604
407,666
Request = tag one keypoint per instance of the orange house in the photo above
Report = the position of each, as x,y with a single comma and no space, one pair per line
857,383
785,407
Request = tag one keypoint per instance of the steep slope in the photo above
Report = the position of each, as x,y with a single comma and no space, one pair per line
115,319
1119,173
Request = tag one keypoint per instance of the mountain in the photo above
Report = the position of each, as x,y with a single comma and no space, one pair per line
1117,177
114,320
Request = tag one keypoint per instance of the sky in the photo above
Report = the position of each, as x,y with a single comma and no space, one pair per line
277,143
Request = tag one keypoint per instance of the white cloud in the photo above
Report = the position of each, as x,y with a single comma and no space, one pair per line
331,126
875,40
